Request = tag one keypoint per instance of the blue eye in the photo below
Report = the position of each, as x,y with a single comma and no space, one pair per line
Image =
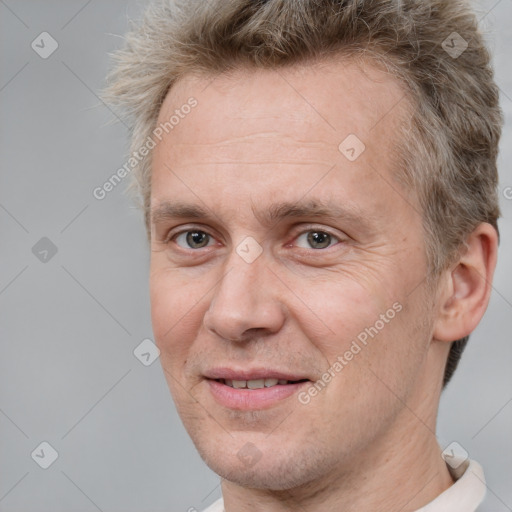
194,239
317,239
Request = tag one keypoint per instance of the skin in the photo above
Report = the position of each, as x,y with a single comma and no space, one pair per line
367,440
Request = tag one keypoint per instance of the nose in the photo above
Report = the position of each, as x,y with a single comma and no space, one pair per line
246,302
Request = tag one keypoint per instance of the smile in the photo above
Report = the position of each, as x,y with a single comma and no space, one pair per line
257,383
253,394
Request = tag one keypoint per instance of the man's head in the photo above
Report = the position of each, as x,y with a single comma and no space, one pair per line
323,210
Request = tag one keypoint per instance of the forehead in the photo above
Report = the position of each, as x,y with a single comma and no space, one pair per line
335,96
287,126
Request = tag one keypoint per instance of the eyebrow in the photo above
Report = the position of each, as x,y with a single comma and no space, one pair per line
176,210
274,213
312,209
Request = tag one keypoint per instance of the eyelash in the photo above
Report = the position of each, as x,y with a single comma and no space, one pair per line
338,239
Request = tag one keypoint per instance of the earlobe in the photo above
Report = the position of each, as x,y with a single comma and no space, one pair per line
467,286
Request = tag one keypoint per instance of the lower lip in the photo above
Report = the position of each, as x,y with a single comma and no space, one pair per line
250,399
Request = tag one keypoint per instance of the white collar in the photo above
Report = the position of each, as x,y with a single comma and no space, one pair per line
465,494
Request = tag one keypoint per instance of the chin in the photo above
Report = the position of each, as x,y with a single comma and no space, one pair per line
264,478
275,470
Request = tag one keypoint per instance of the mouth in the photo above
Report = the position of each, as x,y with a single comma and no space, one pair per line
258,383
253,390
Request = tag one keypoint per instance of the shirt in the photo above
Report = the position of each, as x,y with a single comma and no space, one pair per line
465,495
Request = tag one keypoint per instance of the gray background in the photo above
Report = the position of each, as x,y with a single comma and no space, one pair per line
69,325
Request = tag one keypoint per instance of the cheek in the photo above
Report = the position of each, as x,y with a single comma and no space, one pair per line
374,329
175,311
335,312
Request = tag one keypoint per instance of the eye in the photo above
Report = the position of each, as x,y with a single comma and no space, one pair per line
316,239
194,239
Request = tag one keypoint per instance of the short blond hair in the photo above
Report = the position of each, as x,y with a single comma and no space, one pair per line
448,150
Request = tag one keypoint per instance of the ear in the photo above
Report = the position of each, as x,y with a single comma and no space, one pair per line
464,290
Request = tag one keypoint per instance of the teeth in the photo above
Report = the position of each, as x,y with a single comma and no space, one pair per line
254,384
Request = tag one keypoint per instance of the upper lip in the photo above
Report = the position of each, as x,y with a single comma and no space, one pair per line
252,374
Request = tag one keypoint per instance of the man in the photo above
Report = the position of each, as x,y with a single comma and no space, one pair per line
318,179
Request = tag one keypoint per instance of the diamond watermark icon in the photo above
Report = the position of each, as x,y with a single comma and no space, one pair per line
44,45
147,352
44,250
44,455
454,45
249,249
454,455
352,147
249,454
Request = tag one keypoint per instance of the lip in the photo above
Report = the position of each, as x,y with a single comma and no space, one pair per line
252,374
252,399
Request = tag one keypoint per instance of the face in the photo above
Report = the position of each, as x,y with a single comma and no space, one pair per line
287,269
